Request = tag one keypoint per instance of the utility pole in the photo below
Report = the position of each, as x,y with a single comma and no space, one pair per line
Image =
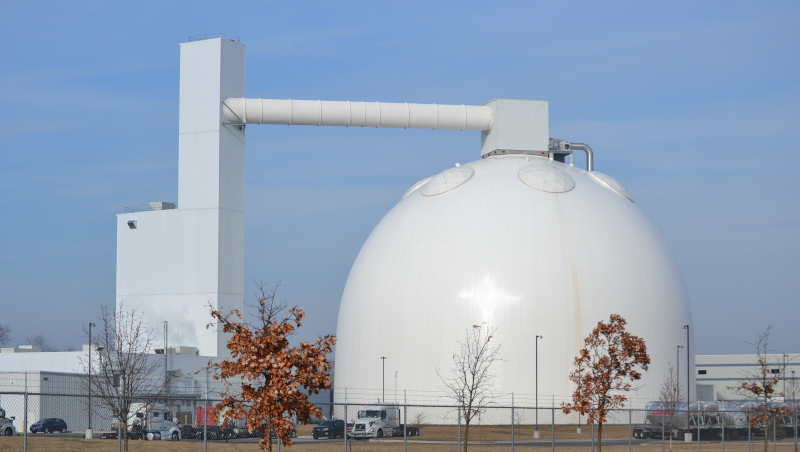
383,378
89,431
688,368
166,372
536,433
783,376
678,370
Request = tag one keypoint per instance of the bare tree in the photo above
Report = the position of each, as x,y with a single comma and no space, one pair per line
670,396
761,384
41,342
419,418
5,333
122,369
470,383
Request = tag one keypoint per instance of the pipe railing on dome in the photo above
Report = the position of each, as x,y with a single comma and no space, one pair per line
357,114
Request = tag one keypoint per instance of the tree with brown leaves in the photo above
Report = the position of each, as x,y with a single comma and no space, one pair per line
470,383
607,365
761,384
267,380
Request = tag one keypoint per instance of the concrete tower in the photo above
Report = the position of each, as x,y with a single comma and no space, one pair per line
172,263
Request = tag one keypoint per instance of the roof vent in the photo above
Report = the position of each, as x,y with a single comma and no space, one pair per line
161,205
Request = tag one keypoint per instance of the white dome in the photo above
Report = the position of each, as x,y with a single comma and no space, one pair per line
529,246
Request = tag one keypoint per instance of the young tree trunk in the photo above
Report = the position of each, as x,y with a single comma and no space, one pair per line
466,435
269,433
125,436
670,438
600,437
766,423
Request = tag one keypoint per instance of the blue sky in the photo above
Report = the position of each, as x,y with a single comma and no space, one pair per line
693,106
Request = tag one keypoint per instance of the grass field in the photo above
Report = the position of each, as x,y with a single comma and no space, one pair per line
432,439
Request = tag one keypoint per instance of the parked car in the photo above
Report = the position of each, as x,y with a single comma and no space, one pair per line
111,435
331,428
292,434
350,428
49,425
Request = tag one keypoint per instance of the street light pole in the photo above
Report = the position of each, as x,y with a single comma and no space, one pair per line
536,432
166,350
678,370
383,378
783,376
688,368
580,382
89,432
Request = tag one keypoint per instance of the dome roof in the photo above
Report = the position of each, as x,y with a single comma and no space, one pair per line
527,245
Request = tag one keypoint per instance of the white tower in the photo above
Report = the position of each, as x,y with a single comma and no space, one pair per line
173,263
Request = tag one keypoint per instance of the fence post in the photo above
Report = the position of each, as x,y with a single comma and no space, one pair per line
630,429
512,422
459,428
774,430
205,418
794,422
345,420
722,412
592,436
663,429
749,439
25,417
553,423
119,425
699,421
405,421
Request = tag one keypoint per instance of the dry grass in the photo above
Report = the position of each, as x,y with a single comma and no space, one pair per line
42,443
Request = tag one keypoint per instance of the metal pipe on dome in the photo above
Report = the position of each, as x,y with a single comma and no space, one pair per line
357,114
589,155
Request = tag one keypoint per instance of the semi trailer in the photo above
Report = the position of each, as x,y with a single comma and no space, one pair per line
712,419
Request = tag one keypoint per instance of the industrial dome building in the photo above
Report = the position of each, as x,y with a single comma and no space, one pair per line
525,244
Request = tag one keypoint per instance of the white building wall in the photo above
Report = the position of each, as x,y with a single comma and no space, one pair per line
177,263
717,373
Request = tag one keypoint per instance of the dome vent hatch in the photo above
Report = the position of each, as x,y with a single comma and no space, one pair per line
447,180
545,178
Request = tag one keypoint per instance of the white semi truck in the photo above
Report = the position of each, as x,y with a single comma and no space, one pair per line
379,421
6,424
152,422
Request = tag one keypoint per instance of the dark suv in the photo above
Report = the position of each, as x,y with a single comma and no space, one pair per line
49,425
332,428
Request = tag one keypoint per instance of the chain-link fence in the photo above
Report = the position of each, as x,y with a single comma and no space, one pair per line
49,421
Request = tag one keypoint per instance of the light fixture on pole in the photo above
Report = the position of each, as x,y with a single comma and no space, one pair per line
383,378
89,430
688,368
536,433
